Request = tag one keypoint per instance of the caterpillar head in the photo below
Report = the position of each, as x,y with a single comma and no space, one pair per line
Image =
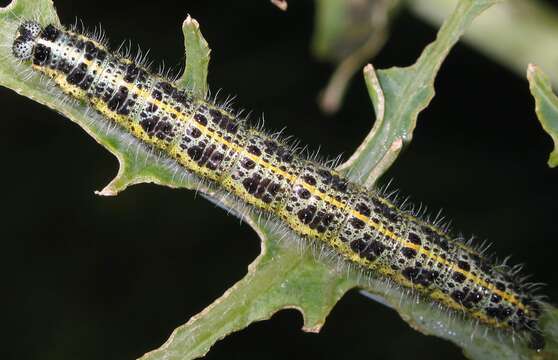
26,34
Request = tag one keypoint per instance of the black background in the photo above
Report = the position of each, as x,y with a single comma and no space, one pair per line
88,277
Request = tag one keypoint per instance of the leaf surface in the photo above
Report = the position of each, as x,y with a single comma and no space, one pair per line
288,273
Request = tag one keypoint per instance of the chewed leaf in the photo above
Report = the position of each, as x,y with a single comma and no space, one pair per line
546,107
283,276
197,59
400,94
140,168
280,278
138,164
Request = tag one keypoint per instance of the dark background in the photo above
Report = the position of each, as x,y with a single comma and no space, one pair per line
88,277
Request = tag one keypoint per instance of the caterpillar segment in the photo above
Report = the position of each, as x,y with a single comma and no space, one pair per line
314,201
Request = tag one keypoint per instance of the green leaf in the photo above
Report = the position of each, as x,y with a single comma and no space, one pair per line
283,276
197,59
400,94
137,163
546,107
330,25
280,278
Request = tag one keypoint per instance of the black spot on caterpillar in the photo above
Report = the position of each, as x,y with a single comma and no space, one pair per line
314,201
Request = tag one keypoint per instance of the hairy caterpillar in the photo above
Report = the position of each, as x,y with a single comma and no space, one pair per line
313,200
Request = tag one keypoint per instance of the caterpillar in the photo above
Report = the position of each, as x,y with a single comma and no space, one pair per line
314,201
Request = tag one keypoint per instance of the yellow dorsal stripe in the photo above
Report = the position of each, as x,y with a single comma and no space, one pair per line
146,96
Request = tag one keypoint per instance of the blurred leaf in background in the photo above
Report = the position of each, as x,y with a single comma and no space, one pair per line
513,33
348,33
546,107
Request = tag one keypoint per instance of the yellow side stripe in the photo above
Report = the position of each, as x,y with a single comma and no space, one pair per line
146,96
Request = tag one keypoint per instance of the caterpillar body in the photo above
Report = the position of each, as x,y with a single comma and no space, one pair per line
313,200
